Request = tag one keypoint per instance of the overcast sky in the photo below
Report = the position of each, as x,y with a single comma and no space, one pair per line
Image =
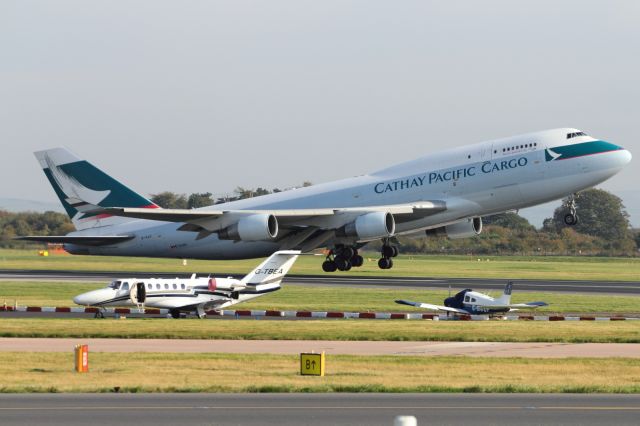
196,96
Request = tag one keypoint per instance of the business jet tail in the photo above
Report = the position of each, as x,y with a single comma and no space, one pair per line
83,188
272,270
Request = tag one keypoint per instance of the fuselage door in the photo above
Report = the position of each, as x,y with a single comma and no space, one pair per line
142,292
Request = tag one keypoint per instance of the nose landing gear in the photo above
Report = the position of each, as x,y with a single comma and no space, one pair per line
571,218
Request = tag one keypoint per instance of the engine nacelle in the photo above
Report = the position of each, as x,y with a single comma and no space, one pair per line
225,284
257,227
465,229
370,226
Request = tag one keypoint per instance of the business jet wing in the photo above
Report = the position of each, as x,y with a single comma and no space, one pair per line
432,307
86,240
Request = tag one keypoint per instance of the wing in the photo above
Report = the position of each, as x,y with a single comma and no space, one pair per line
187,305
85,240
529,305
325,218
432,307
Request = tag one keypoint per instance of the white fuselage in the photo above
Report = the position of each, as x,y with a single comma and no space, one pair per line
174,293
475,180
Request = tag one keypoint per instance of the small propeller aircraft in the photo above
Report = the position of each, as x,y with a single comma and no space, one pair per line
192,294
469,302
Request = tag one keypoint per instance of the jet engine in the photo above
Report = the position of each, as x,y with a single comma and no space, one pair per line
225,284
256,227
370,226
467,228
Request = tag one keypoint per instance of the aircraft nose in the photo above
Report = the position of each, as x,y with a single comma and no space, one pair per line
81,299
621,158
90,298
625,157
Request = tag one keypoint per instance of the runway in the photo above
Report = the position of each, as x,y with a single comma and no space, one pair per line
330,347
318,409
598,287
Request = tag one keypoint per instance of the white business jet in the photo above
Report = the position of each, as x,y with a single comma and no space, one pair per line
444,193
192,294
469,302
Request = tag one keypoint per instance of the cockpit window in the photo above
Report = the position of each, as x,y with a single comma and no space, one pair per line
466,298
115,285
125,286
575,134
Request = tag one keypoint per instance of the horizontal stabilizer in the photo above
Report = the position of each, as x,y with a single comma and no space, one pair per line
82,240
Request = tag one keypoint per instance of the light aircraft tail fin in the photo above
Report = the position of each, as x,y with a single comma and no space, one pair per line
82,187
505,299
273,269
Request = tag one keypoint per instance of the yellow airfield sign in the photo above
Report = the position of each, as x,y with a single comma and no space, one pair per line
312,364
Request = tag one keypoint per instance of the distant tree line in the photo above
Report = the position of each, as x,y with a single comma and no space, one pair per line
30,223
602,229
171,200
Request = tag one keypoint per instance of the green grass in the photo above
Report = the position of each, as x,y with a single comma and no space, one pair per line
534,267
320,298
186,372
351,329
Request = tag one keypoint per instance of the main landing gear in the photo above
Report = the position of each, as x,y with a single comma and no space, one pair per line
571,218
344,258
387,251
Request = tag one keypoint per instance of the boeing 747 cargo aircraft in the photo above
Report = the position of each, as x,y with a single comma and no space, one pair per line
444,193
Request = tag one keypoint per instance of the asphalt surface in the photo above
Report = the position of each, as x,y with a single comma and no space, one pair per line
601,287
318,409
330,347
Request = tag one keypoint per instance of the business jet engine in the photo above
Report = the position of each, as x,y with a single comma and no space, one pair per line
465,229
225,284
370,226
256,227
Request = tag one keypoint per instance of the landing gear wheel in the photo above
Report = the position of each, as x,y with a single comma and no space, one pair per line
342,263
395,251
357,261
175,314
387,251
385,263
571,219
99,315
348,252
329,266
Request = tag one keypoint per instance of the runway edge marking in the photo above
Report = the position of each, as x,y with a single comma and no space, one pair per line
314,314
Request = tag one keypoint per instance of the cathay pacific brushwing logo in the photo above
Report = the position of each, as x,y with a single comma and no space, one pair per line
550,154
72,188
